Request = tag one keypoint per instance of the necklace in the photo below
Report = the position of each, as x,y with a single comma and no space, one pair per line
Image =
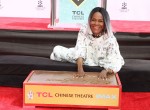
96,36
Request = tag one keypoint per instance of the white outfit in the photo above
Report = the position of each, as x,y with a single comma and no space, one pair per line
103,51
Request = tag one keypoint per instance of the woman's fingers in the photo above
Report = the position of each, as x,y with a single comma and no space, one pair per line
79,75
103,75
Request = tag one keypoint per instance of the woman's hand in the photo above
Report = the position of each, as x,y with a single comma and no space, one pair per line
103,75
80,74
80,71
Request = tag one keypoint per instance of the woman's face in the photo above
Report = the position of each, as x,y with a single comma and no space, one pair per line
97,23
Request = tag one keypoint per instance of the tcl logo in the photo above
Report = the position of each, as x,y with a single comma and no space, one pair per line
44,94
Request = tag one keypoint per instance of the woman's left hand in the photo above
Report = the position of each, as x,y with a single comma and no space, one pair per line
103,75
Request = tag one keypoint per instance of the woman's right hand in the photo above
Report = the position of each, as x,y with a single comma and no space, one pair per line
80,74
80,71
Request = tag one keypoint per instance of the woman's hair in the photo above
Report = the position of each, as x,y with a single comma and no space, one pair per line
106,18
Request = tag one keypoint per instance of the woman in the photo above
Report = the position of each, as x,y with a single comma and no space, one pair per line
96,46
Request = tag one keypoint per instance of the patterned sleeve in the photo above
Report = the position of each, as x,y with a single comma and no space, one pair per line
113,60
80,48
